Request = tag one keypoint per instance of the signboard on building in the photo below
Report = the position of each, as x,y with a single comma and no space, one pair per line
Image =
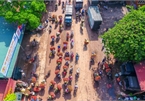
9,55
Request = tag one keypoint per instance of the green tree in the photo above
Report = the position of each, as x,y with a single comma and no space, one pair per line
23,12
126,40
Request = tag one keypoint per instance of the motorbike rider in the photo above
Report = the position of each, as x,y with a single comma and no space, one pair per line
76,87
67,36
77,72
58,75
72,42
55,6
50,27
86,42
71,69
77,55
71,34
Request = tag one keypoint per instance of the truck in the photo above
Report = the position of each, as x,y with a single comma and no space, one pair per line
78,5
94,17
93,2
68,15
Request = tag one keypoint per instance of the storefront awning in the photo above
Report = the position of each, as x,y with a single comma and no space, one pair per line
140,72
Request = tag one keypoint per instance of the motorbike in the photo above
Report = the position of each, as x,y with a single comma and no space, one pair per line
71,55
50,28
109,75
71,70
52,53
56,7
72,34
67,37
77,72
63,10
75,89
62,4
59,2
58,66
51,87
77,57
47,75
58,76
33,59
53,40
72,43
59,48
66,63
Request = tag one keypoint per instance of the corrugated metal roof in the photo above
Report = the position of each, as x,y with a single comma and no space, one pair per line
95,13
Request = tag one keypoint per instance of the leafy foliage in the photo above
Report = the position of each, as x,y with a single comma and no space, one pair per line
23,12
127,39
10,97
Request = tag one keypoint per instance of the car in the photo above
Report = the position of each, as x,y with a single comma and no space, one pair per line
131,83
127,69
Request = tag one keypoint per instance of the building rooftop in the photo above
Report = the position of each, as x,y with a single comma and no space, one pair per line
6,33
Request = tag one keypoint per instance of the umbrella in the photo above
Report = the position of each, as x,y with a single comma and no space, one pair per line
33,79
58,33
67,58
97,78
42,85
106,65
108,70
52,48
65,42
34,97
60,54
65,79
52,36
57,71
65,67
52,82
69,88
59,86
36,89
59,60
60,16
52,94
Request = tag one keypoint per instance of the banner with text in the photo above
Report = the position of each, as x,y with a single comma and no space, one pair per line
9,55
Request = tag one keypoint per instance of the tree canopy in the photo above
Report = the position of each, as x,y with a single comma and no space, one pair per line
23,12
126,40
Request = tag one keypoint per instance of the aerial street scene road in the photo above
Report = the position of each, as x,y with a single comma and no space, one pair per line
72,50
